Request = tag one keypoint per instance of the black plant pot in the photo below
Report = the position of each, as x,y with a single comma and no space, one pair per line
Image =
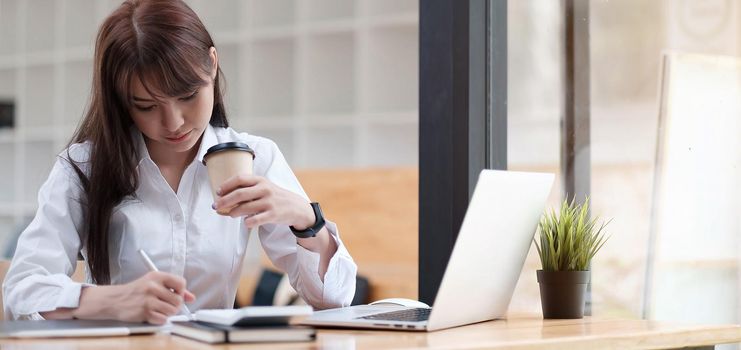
562,293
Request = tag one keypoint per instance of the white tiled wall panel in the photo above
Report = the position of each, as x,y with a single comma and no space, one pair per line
328,86
37,104
39,157
79,29
7,84
7,174
391,69
8,26
269,77
261,13
39,25
78,75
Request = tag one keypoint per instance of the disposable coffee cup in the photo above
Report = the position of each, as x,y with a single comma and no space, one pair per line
226,160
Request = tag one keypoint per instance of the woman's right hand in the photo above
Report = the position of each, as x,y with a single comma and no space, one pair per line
151,298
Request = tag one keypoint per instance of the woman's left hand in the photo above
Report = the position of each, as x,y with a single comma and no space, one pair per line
261,202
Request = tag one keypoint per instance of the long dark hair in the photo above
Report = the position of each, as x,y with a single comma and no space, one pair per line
165,45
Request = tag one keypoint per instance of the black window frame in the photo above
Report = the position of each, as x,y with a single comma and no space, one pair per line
463,119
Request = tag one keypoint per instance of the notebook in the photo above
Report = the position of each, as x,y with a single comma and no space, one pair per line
72,328
252,315
216,333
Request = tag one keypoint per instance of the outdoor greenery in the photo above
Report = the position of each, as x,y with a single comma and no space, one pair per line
569,240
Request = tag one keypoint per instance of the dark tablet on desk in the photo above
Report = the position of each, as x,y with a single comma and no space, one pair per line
72,328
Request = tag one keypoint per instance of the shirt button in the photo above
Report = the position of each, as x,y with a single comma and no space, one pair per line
178,217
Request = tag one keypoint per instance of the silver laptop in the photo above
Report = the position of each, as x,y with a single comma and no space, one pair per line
73,328
483,268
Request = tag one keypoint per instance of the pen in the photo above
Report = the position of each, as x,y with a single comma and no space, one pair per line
152,267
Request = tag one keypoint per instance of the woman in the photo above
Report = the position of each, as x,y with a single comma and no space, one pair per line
133,178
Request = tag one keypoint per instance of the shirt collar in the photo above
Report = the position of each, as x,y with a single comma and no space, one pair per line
141,147
209,139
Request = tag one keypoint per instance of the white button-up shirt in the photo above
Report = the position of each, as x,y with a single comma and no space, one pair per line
180,231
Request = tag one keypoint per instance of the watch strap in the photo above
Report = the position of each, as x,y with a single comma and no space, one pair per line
314,229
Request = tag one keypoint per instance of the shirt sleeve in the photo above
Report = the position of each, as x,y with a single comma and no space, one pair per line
38,279
301,264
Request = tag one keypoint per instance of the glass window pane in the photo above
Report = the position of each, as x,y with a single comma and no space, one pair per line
534,107
628,42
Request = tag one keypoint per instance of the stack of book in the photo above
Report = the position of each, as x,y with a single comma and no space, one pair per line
245,325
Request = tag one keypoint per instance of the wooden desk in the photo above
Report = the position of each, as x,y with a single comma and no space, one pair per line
521,333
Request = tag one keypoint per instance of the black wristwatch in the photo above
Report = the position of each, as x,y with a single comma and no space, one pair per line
314,229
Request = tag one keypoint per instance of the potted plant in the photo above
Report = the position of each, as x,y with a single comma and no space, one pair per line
568,242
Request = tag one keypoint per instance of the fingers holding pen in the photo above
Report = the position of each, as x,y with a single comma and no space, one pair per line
154,297
164,294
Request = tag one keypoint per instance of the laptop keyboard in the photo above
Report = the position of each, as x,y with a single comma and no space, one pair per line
408,315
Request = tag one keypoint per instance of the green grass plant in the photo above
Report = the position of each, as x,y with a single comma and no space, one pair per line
569,239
